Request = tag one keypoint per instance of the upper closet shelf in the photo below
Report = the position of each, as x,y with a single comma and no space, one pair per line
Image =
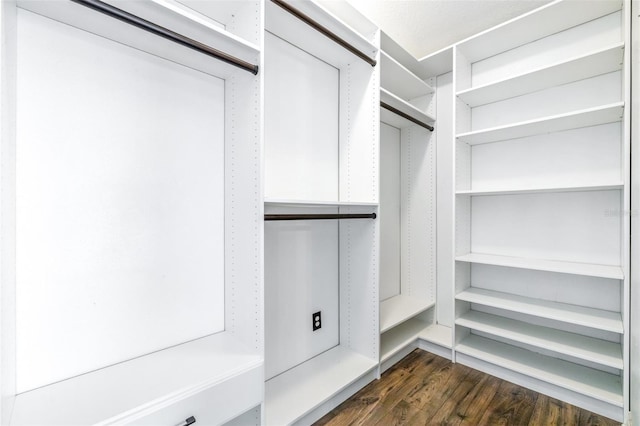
577,68
398,80
587,269
287,26
532,26
533,190
396,120
271,202
555,123
571,314
437,63
217,361
172,16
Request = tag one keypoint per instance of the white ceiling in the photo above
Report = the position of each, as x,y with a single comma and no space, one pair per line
425,26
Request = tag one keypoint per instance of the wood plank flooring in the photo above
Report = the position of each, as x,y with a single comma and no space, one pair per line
425,389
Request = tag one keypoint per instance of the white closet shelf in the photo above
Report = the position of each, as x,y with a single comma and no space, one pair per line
404,106
438,334
135,388
397,79
539,23
572,120
570,314
576,345
577,68
398,338
398,309
588,269
294,393
437,63
594,383
171,15
273,202
288,27
533,190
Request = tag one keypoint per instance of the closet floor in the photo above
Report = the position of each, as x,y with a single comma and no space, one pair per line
425,389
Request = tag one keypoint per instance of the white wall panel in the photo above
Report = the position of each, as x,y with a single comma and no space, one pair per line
445,190
120,224
301,277
389,211
577,226
301,124
590,155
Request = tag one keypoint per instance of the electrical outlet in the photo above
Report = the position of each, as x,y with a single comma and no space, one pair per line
317,321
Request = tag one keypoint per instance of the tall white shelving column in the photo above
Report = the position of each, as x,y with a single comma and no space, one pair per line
321,157
137,163
407,210
541,183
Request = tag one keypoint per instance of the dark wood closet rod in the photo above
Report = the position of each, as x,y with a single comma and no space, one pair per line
407,116
319,216
315,25
143,24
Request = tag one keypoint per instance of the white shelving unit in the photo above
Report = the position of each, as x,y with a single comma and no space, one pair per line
571,120
541,123
407,206
591,64
592,270
106,233
599,385
321,156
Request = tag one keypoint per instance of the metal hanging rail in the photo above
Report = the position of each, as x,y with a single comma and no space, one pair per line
319,216
315,25
407,116
143,24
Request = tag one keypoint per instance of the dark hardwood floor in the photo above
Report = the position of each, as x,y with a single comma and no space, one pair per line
425,389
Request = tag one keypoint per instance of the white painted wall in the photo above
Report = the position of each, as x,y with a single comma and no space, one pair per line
389,211
120,229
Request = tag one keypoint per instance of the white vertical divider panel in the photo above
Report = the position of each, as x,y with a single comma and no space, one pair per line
389,218
445,210
628,24
244,208
7,208
359,182
418,214
359,126
633,354
359,293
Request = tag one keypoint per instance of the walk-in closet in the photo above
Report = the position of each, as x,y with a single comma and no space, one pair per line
242,212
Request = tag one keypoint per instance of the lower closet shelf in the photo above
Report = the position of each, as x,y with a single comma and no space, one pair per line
576,345
296,392
399,337
398,309
583,380
571,314
138,389
438,334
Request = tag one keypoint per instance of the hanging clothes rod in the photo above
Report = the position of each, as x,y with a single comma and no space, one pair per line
407,116
143,24
319,216
315,25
